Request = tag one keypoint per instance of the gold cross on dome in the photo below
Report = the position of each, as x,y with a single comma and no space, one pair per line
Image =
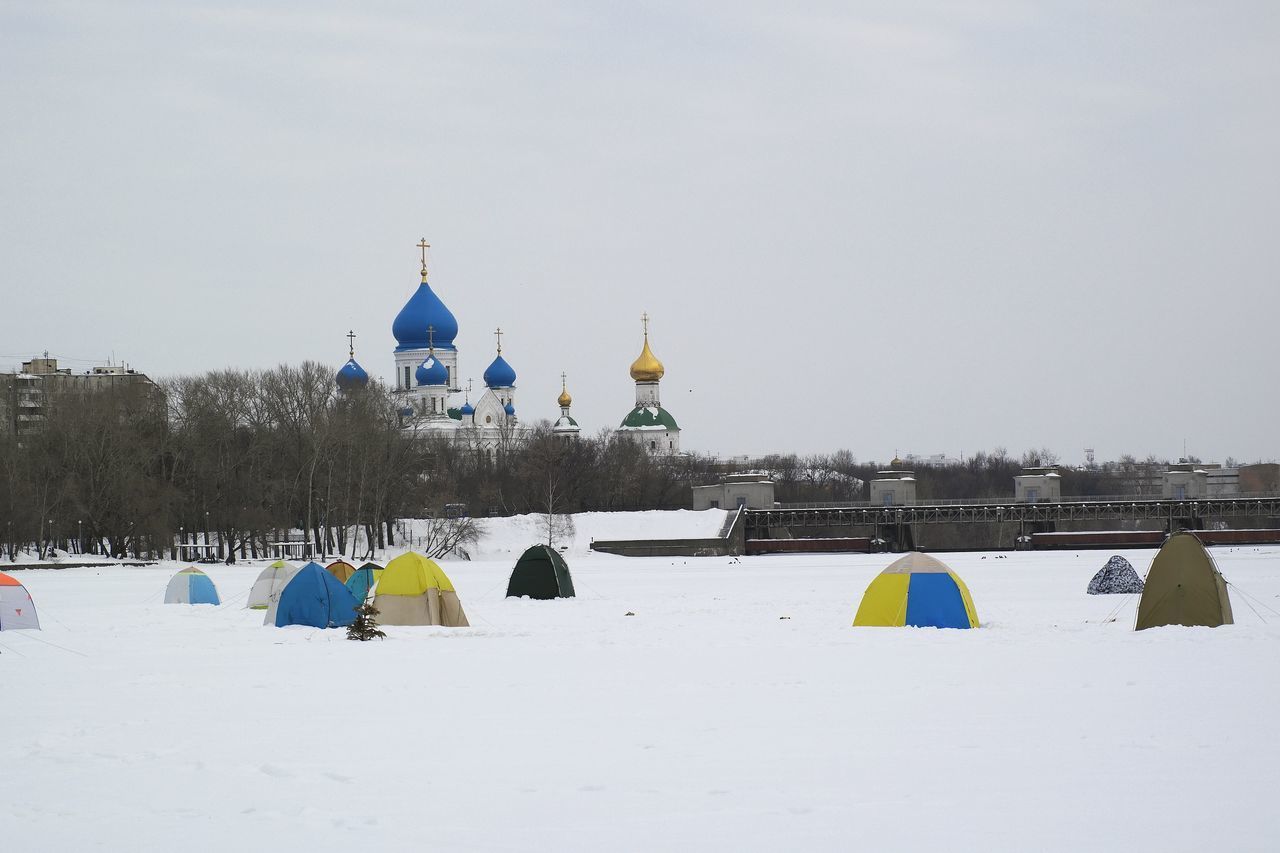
563,380
644,318
431,338
351,343
498,334
424,245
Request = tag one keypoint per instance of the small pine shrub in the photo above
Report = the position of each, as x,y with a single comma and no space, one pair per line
366,625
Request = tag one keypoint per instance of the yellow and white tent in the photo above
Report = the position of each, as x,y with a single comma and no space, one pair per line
270,583
414,590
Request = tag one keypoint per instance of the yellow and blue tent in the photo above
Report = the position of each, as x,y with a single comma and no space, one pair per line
920,591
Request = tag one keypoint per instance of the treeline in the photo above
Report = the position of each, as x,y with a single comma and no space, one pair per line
239,459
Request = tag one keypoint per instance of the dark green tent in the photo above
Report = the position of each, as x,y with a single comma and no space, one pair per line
1183,587
540,573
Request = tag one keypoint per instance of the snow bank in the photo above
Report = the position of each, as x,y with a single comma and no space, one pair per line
508,537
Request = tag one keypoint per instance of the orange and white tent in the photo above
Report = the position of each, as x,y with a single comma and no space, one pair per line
17,610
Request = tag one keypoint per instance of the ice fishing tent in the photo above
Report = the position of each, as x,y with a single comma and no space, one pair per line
363,579
270,583
1116,577
540,573
1183,587
314,597
920,591
17,610
414,590
341,569
191,586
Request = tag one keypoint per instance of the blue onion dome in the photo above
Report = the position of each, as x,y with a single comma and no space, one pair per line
467,408
351,376
499,374
432,372
510,410
424,309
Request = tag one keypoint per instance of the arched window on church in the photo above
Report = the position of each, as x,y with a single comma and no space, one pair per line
406,379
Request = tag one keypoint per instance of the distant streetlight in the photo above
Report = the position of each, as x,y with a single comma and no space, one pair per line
80,535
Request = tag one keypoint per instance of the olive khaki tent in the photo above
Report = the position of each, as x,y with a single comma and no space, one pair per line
341,569
270,583
920,591
1116,577
540,573
314,597
363,580
1183,587
414,590
17,610
191,586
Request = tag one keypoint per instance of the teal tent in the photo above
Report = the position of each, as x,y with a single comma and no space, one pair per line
540,573
362,580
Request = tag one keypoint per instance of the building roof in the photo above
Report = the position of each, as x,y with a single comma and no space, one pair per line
649,417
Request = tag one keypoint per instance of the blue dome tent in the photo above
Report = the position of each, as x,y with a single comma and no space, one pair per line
314,597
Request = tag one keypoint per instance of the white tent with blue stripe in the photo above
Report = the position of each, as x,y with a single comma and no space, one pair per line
191,586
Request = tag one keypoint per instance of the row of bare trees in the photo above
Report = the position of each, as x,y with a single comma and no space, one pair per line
230,461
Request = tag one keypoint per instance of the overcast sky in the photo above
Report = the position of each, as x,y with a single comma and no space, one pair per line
912,227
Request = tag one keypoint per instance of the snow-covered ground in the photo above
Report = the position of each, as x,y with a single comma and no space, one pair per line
736,710
508,537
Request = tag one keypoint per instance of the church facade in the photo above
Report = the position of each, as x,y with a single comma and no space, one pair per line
649,424
427,377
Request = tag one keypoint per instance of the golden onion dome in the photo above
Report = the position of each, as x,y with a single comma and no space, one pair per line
647,368
564,400
896,463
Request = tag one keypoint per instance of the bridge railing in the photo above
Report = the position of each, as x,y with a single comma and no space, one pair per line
1006,501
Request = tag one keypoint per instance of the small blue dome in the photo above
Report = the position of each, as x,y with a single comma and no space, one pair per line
424,309
510,410
499,374
468,409
351,376
406,412
432,372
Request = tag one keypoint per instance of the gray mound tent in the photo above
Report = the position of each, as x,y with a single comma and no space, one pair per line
1116,577
540,573
1183,587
